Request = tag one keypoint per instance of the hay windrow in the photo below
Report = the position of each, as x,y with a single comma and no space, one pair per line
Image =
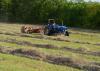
91,68
49,38
34,54
49,46
59,60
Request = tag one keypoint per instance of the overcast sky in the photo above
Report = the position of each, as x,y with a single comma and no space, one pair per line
88,0
98,0
94,0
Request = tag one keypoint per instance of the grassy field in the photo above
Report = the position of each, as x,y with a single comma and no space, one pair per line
35,52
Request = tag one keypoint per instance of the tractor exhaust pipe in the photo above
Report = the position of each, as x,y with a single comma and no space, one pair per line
62,23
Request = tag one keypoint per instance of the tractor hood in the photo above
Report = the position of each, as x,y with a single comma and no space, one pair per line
57,27
63,27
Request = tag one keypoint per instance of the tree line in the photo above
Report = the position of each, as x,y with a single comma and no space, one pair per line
76,14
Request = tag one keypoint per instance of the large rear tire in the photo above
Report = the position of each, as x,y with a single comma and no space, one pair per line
46,31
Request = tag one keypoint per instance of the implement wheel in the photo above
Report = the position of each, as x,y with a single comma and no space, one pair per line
23,29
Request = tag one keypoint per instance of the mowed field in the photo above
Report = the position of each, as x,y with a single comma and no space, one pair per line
37,52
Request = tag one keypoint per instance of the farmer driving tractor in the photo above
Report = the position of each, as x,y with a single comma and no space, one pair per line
51,26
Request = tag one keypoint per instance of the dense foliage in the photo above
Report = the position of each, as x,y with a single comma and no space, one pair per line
77,14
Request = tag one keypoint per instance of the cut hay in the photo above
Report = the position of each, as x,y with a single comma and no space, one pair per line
48,46
59,60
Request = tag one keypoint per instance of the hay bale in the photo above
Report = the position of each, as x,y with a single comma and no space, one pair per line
31,29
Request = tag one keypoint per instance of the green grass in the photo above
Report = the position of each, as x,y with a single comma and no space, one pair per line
54,52
14,63
85,38
53,42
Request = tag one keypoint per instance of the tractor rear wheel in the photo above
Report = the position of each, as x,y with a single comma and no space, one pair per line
46,31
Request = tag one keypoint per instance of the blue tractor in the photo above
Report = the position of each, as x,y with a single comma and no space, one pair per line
52,28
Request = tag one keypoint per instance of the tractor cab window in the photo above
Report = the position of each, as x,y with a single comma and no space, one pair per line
51,21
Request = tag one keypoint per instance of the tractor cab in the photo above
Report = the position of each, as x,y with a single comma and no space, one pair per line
51,21
51,24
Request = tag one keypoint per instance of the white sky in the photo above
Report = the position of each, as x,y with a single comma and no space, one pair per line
94,0
88,0
97,0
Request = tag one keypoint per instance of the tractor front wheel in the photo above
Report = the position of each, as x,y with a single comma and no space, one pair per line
66,33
